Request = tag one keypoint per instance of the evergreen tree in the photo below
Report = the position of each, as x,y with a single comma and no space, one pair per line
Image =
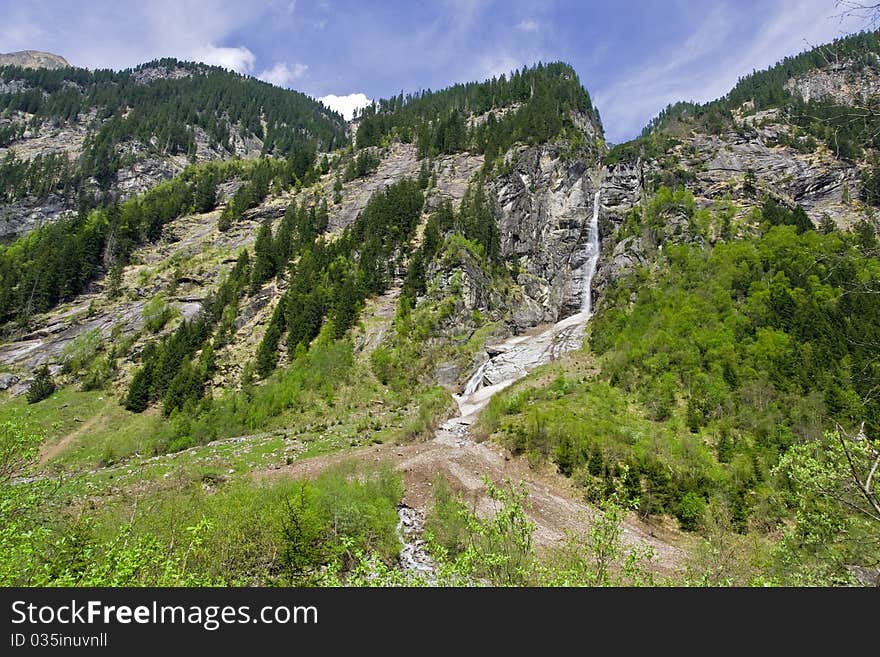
42,386
264,256
138,397
205,194
267,352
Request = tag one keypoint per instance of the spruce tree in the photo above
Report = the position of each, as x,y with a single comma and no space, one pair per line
138,397
42,386
264,257
205,194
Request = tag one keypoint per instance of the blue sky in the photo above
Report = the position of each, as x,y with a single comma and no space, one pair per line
633,57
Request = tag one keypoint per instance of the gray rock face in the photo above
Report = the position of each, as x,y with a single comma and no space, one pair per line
813,180
7,381
544,206
26,214
155,73
33,59
446,374
142,176
842,83
401,162
625,256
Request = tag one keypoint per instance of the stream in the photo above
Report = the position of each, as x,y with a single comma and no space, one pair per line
510,361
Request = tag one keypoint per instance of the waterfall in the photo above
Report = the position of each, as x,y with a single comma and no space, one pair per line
476,380
520,354
592,258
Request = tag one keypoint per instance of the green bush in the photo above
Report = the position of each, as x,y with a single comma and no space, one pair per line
77,355
157,313
42,386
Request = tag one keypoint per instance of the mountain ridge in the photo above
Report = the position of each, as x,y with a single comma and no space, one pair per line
269,317
33,59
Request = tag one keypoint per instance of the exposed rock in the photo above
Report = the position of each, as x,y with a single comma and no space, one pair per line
143,175
33,59
544,206
447,374
400,162
844,83
626,255
155,73
7,381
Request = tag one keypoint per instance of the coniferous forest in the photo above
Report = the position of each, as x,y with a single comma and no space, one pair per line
316,348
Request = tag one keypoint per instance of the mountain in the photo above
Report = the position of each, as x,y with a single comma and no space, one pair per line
670,342
33,59
73,138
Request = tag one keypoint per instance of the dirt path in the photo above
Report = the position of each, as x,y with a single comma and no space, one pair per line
555,504
49,452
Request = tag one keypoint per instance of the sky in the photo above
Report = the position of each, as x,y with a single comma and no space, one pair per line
633,57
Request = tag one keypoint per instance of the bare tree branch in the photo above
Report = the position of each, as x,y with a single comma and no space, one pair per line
863,487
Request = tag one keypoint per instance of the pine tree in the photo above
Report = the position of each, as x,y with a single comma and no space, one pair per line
424,175
224,223
42,386
267,352
283,244
138,397
346,304
205,194
264,257
267,356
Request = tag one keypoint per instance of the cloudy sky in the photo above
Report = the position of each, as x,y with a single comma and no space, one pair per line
634,57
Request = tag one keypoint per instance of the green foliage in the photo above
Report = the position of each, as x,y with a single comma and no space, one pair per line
545,94
58,260
329,281
837,509
77,355
157,313
363,165
846,130
264,257
168,372
162,116
871,183
19,448
239,533
42,386
778,215
715,361
497,549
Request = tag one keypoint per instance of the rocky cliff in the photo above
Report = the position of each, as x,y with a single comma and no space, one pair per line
758,154
33,59
544,204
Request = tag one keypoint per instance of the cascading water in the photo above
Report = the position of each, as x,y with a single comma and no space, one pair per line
519,354
592,258
476,381
513,359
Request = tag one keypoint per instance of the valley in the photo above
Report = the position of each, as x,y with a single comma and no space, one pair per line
459,340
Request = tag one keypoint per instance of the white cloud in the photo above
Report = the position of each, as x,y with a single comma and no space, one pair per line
495,64
283,74
238,59
528,25
346,105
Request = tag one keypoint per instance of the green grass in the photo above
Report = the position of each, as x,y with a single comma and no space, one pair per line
111,451
98,428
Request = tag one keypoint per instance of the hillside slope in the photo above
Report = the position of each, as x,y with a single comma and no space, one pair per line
427,288
72,138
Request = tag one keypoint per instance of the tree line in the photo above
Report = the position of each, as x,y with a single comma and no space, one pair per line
546,95
164,115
